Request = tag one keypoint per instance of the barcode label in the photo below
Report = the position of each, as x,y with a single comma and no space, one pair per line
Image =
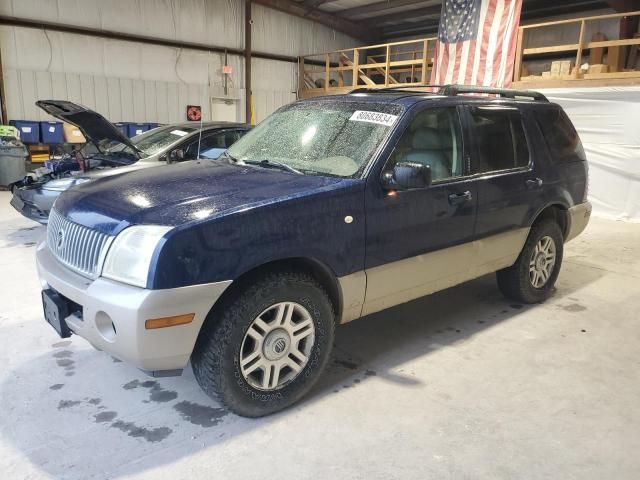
373,117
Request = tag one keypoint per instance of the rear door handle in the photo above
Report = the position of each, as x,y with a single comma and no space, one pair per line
459,198
535,183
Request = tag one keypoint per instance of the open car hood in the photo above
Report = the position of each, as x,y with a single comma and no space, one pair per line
93,125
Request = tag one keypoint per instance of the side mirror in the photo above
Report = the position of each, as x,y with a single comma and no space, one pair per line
407,176
176,156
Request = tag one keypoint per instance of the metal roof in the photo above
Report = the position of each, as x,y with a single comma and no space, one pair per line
392,19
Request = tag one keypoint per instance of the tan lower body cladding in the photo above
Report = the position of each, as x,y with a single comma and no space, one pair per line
398,282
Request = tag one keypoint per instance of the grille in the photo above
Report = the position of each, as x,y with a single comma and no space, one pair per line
78,247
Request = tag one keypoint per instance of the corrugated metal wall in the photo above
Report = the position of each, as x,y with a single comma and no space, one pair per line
128,81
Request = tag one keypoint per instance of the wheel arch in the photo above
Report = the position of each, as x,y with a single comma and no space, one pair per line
323,274
557,212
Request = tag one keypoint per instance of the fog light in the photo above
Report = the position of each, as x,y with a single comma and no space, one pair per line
169,321
105,327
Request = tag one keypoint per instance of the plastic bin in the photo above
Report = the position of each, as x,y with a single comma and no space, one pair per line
134,129
12,164
9,131
51,132
151,126
122,126
29,131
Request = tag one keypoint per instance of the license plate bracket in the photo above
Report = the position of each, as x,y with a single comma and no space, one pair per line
56,310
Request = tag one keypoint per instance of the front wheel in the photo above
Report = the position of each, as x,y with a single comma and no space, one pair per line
269,345
532,278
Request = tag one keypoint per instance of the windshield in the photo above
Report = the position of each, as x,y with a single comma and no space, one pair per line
321,137
155,141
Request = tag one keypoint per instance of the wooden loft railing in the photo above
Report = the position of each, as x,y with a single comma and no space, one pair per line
399,64
609,61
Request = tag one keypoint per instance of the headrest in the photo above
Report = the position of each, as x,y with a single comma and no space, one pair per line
426,139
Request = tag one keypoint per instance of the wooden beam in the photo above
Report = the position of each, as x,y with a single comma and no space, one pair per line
378,8
332,21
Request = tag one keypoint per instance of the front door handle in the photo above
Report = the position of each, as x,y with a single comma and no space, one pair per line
535,183
459,198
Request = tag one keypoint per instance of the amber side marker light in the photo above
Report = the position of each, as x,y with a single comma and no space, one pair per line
169,321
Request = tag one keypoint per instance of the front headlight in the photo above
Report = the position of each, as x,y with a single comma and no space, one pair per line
62,184
129,256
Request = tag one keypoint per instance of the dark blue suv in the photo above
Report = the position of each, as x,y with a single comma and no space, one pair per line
331,209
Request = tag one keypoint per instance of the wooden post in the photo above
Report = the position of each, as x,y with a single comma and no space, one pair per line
517,71
247,61
413,66
327,73
356,63
580,45
386,70
425,61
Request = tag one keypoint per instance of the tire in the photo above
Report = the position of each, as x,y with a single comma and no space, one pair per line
216,359
517,282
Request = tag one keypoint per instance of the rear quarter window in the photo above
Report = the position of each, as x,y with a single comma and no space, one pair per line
561,136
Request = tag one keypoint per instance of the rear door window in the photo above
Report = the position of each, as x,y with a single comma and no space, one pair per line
500,139
561,137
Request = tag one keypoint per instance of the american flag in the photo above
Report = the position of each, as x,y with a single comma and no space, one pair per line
476,42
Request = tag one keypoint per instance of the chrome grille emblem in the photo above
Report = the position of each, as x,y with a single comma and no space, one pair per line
60,241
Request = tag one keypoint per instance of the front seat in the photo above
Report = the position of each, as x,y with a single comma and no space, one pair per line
426,148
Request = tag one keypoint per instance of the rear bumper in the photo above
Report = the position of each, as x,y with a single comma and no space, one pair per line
578,219
114,314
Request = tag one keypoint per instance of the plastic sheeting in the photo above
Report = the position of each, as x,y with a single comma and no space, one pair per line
608,121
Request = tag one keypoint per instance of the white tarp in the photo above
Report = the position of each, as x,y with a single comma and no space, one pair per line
608,121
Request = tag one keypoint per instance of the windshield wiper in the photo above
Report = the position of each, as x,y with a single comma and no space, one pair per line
226,154
274,164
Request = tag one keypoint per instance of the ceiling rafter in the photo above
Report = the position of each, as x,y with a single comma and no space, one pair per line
433,11
377,9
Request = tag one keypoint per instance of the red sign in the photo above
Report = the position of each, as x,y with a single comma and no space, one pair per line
194,113
227,69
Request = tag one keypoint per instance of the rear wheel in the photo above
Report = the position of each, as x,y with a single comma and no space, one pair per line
268,346
532,278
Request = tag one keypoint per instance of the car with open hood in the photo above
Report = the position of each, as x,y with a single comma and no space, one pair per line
108,151
331,209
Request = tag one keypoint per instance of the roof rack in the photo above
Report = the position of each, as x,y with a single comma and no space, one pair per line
453,90
401,89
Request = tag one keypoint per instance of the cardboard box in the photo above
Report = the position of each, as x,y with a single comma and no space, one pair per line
599,68
72,134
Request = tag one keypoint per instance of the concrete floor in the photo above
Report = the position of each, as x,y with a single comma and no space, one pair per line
463,384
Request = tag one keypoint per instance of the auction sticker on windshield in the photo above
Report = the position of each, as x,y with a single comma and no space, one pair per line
373,117
180,133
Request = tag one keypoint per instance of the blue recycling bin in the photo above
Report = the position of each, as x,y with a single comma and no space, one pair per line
51,132
29,131
122,126
134,129
151,126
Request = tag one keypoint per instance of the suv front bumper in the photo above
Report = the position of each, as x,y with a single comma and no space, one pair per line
113,315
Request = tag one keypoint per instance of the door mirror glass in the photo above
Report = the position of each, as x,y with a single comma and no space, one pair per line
407,176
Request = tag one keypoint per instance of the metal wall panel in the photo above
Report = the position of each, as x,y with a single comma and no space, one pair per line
127,81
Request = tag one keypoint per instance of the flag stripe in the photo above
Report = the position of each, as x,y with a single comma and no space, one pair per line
477,42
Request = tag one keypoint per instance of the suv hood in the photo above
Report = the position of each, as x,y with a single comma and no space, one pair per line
93,125
177,194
